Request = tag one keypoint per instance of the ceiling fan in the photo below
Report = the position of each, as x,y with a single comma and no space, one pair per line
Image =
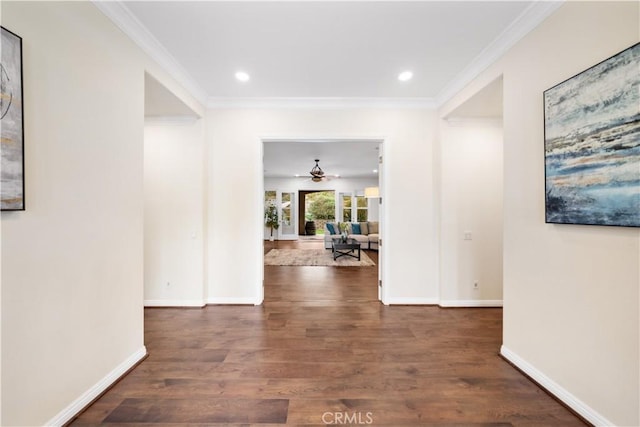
317,174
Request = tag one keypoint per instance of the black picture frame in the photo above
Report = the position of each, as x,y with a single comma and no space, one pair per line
12,188
592,144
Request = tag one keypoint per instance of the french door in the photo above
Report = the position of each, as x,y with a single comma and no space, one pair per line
288,215
286,204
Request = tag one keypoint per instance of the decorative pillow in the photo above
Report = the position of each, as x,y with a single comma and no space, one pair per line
355,228
331,228
373,227
343,224
364,228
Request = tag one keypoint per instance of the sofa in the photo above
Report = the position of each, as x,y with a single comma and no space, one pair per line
367,233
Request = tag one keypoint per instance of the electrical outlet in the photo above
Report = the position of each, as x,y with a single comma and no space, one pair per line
476,285
168,284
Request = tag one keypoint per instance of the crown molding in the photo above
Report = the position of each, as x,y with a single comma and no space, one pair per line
529,19
320,103
122,17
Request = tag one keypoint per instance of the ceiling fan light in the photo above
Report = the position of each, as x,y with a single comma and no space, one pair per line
316,171
372,192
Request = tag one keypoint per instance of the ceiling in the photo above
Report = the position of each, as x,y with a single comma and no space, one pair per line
324,49
348,159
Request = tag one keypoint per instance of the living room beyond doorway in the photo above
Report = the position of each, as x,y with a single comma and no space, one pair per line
303,202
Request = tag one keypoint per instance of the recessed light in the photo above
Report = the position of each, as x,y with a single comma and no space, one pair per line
405,76
375,171
297,175
242,76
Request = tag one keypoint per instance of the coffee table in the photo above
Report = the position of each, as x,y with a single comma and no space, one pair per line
345,248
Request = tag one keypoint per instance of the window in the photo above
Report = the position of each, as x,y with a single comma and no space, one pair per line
269,198
287,199
362,212
288,210
346,207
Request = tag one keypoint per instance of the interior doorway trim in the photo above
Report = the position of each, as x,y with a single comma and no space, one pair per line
383,178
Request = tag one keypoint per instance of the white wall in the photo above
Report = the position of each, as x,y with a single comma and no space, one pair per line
471,201
174,202
72,262
235,213
571,316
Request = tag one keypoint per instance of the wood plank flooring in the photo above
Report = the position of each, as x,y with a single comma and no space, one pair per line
322,350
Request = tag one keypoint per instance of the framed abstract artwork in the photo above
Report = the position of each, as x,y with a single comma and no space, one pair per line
592,145
11,123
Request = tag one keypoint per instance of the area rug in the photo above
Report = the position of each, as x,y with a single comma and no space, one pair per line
314,257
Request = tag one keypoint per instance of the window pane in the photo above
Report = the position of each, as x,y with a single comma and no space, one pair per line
320,206
269,196
346,215
362,202
362,215
346,201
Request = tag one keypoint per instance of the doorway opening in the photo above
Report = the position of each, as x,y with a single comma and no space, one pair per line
315,209
350,167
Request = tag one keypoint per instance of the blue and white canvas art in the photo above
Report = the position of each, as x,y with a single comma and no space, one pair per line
592,144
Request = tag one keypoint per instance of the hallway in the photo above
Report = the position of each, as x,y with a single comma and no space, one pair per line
323,350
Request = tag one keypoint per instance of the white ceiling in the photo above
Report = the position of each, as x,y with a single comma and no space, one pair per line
325,49
348,159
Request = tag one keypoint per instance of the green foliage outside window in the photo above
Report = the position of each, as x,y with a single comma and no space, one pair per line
320,205
362,208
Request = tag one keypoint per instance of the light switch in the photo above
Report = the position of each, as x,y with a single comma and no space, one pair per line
467,235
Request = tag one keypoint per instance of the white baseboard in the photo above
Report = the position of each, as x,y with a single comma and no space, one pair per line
554,388
233,301
411,301
88,396
174,303
471,303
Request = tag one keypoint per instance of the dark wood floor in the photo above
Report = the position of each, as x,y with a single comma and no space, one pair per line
320,350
